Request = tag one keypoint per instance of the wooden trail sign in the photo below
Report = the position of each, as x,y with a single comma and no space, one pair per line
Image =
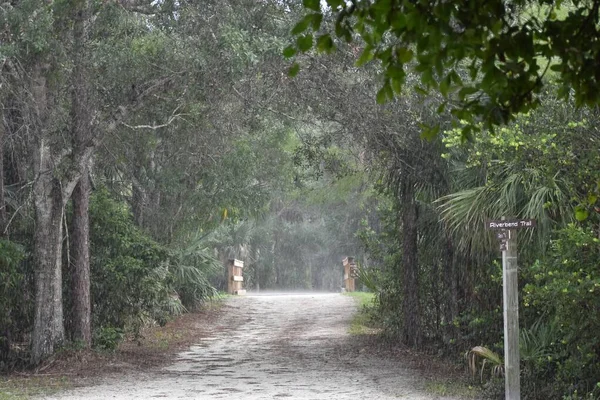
506,233
350,274
235,277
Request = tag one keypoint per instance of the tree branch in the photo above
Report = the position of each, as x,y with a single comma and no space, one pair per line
154,127
82,154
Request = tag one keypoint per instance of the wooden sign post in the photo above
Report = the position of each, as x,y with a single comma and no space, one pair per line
235,278
507,236
350,274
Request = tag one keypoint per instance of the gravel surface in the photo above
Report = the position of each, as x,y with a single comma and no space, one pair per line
271,347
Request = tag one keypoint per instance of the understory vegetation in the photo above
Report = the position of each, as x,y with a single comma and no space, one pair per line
144,144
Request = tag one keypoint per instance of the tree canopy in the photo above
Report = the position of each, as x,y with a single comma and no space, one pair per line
490,60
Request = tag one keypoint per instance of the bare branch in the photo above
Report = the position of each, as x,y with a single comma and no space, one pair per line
173,117
82,154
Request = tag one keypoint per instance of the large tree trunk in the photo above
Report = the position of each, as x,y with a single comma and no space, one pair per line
80,272
48,329
411,310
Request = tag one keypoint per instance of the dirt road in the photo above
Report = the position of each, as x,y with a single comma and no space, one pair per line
271,347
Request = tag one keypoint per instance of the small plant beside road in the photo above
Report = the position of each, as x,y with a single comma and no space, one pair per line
364,321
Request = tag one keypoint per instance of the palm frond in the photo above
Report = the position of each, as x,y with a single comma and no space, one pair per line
487,358
191,268
536,343
369,277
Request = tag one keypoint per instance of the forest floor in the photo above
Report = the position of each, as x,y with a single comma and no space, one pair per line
273,346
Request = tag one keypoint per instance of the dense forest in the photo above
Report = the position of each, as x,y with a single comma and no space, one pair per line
145,143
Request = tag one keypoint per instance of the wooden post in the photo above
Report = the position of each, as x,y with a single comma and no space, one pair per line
235,277
511,318
506,233
349,274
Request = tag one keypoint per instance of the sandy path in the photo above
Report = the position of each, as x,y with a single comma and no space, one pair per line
270,347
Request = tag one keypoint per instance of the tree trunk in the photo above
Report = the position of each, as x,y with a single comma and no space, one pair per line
450,291
411,310
2,203
48,329
5,337
50,194
139,202
80,278
81,126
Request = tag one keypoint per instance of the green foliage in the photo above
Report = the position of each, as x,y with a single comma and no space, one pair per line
365,320
276,169
301,239
134,279
12,282
11,279
537,345
192,268
370,278
108,339
29,25
563,289
538,167
130,282
382,246
486,58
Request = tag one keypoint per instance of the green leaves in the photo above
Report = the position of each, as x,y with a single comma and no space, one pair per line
430,132
334,4
325,44
504,60
404,55
564,285
304,42
445,86
294,69
289,52
366,56
581,213
464,92
302,25
314,5
385,93
311,20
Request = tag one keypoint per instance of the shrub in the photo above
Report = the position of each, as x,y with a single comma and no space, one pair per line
130,281
191,268
564,289
12,281
108,338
